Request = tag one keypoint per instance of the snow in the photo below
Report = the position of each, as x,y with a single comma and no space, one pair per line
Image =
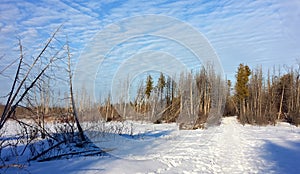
163,148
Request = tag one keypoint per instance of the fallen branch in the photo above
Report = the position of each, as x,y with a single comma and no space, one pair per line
94,152
46,151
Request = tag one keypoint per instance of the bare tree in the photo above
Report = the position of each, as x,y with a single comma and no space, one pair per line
16,94
80,130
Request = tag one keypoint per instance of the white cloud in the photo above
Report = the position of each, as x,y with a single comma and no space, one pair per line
254,32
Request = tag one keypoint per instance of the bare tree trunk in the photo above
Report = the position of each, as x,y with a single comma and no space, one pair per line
80,130
244,107
191,96
280,106
297,94
260,92
205,98
269,104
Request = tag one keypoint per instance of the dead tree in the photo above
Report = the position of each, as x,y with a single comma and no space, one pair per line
80,130
16,95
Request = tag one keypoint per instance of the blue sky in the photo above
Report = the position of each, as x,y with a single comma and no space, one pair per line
263,33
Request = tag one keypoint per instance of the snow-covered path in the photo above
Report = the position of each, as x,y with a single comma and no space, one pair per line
231,149
228,148
216,150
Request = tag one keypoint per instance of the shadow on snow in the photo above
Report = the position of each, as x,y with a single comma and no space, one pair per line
74,161
284,158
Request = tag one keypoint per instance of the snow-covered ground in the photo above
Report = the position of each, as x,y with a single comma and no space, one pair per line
228,148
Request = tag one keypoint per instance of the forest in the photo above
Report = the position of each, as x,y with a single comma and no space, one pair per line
265,98
257,97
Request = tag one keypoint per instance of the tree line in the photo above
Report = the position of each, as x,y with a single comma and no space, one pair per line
187,99
261,99
256,97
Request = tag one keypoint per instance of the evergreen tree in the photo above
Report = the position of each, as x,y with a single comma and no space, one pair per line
168,90
161,85
229,109
149,86
241,88
228,88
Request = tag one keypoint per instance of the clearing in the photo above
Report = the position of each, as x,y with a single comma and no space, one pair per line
228,148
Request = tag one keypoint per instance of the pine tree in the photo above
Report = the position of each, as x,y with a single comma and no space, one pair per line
228,88
168,90
241,89
160,86
149,86
229,109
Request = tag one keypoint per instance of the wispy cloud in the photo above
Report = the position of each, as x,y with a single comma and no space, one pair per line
252,32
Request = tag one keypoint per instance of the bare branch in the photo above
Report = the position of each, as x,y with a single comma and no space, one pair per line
8,103
9,107
5,68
